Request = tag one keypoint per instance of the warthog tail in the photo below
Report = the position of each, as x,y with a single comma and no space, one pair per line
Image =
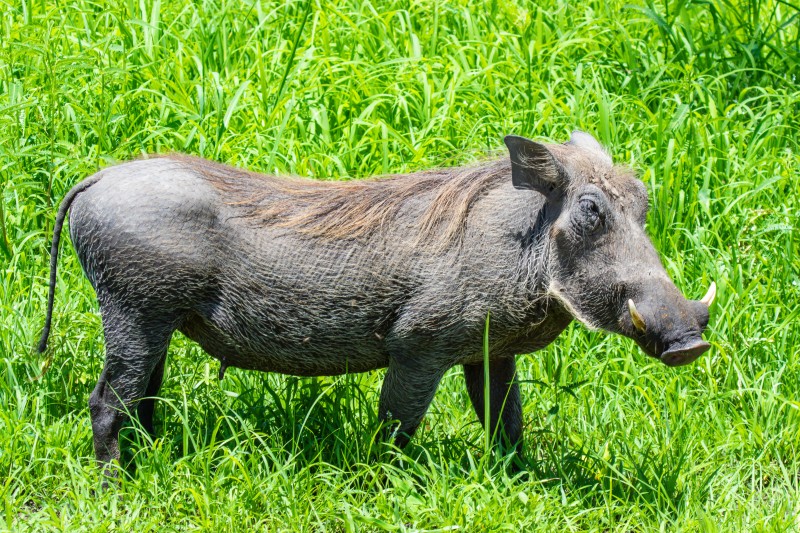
62,214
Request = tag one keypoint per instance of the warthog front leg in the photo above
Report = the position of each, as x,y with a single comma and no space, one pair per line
505,406
408,389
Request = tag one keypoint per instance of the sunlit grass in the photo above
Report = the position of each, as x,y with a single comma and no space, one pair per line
701,98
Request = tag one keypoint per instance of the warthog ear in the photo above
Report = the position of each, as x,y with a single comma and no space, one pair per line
534,167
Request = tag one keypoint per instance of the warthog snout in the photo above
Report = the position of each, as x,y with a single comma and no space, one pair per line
671,328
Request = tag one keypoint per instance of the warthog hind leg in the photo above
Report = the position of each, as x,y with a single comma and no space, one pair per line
135,351
148,404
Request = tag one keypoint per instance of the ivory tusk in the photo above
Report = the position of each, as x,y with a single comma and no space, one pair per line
638,321
708,299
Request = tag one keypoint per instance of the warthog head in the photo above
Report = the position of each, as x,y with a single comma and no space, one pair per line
602,266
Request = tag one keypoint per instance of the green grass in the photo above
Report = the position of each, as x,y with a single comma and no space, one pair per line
702,98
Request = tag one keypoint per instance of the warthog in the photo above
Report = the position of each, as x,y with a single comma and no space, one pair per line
316,278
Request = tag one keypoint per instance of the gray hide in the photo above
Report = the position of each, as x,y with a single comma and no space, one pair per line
322,278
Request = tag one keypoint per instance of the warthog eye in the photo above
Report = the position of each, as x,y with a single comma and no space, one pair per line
590,213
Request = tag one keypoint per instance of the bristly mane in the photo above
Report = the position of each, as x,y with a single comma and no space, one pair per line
354,209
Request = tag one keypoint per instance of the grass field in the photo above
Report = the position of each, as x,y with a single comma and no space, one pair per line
700,97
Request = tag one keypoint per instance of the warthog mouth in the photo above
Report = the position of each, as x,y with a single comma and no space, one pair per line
684,355
679,354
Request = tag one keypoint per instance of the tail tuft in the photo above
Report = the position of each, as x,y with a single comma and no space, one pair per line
43,340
